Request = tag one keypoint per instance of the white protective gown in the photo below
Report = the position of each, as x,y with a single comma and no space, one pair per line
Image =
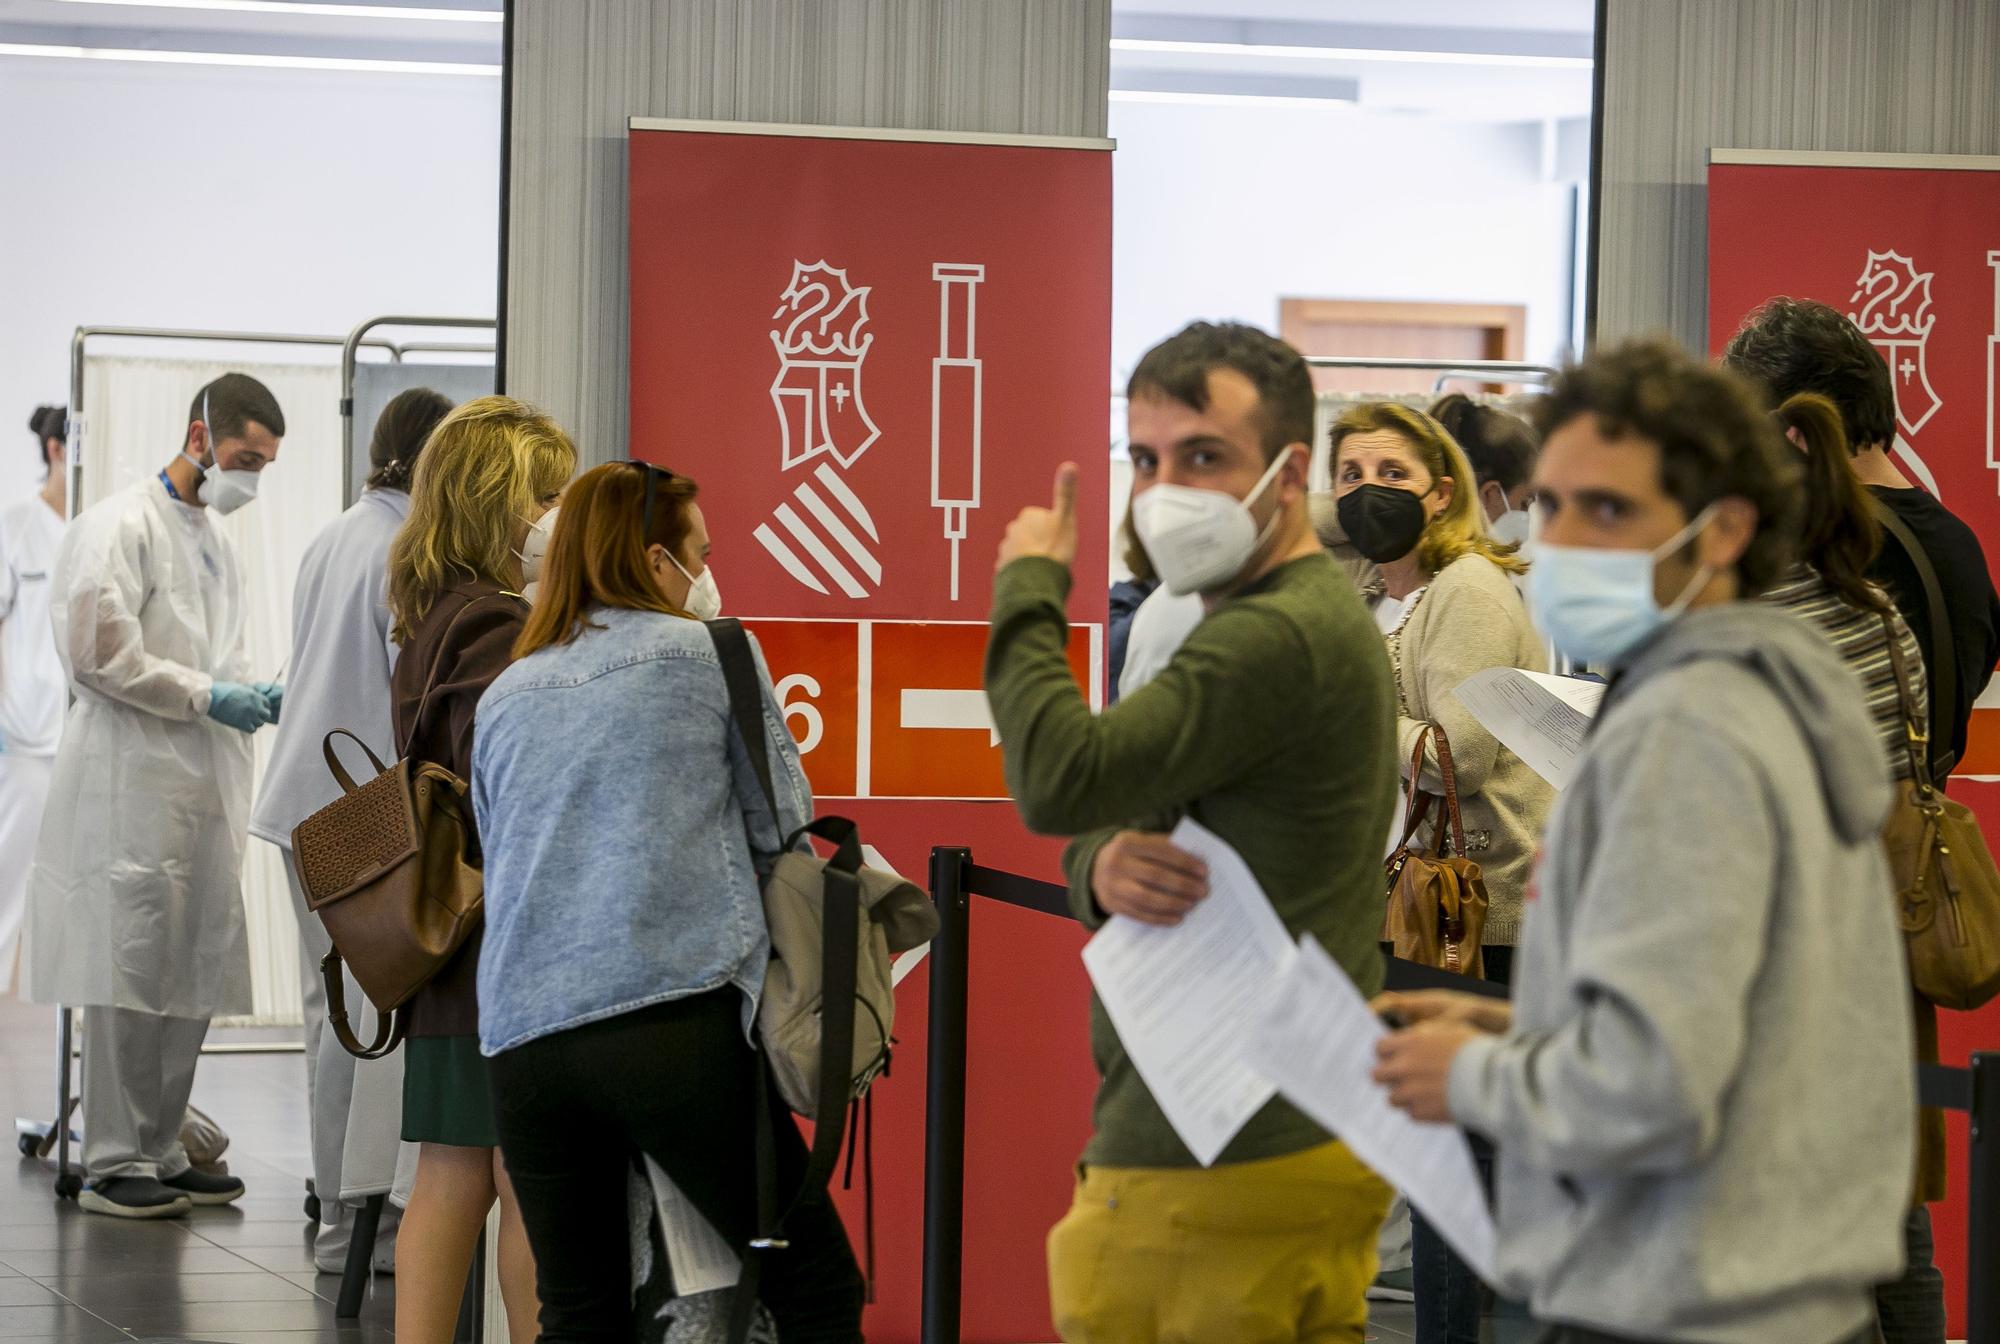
135,901
33,694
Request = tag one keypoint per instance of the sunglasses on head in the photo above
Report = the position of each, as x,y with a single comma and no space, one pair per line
654,475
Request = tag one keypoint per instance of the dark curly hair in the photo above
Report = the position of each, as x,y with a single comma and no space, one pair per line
1178,368
1715,439
1796,345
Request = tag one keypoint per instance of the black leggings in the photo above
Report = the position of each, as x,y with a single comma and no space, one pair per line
676,1082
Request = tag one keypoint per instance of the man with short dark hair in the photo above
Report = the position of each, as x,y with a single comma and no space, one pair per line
1702,1095
1273,725
1797,345
135,907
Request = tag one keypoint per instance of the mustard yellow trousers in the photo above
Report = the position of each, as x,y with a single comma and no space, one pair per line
1273,1251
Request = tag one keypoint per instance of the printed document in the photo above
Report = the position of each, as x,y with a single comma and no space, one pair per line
1183,997
1540,718
702,1261
1316,1040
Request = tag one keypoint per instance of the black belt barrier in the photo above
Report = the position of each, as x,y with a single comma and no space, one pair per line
955,879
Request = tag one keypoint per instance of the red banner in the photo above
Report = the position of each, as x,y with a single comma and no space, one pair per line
1911,252
871,351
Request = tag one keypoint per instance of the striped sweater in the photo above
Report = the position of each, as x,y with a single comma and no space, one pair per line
1858,637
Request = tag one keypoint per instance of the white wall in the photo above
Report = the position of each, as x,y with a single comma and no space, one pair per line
1221,211
203,196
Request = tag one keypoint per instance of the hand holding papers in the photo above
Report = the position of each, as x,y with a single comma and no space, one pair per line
1540,718
1316,1040
1183,997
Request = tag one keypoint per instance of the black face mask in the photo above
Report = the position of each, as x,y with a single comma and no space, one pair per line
1383,522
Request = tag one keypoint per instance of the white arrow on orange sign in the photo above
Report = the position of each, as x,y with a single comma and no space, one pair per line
950,709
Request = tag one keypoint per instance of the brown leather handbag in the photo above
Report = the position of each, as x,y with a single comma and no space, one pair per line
391,869
1947,889
1437,899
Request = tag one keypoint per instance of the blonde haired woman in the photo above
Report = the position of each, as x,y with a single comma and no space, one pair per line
1445,599
490,472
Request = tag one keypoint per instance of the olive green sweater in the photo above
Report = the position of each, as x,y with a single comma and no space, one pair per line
1274,726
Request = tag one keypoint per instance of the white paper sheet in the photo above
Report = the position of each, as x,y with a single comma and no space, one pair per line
1315,1039
702,1261
1540,718
1183,997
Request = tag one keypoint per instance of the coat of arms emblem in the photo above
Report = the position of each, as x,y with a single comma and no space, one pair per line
821,349
1895,314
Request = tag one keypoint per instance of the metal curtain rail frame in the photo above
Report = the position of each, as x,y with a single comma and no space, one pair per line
350,347
955,879
78,344
1482,370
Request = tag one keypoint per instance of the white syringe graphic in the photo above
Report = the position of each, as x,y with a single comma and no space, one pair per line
955,403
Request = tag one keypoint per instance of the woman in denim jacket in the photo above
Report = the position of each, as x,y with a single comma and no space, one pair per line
624,833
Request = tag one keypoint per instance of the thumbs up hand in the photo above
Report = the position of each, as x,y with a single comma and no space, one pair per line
1050,532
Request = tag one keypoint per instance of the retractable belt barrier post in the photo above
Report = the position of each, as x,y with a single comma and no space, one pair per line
955,880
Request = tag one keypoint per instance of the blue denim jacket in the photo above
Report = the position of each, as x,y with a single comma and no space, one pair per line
618,811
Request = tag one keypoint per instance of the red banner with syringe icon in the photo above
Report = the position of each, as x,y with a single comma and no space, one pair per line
870,352
1908,248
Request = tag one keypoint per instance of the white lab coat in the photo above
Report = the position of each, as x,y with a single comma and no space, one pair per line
33,693
340,663
135,901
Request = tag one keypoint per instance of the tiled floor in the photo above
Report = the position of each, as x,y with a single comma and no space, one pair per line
242,1273
238,1275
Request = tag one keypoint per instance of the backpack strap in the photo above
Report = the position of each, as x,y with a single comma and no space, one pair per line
1943,650
390,1027
838,975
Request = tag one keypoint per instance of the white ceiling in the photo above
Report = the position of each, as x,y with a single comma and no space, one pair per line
1486,60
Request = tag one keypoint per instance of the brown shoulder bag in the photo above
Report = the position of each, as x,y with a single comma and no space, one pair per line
1947,889
1437,899
390,868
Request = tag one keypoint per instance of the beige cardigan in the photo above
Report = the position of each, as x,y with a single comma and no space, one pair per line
1468,619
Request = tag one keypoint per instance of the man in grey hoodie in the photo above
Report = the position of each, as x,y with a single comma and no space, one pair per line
1702,1096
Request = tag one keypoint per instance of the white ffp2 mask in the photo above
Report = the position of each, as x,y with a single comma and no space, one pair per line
1198,540
534,552
704,599
225,491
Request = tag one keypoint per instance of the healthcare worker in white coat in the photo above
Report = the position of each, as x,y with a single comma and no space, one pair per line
340,663
135,910
33,690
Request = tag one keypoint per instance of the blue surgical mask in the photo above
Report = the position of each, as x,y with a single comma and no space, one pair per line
1597,605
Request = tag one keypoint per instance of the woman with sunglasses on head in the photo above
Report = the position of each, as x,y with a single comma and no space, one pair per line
625,941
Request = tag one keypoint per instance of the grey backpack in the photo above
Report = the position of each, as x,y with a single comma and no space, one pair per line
821,1062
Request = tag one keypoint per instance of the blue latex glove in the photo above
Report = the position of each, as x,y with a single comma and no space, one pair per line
237,706
272,691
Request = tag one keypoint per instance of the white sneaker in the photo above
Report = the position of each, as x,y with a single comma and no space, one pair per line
330,1246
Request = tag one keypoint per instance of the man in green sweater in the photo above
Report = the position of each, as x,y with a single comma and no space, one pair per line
1273,726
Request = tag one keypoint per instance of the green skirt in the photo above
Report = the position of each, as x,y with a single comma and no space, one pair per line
447,1097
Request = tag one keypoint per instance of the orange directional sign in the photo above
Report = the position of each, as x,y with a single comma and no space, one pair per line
894,709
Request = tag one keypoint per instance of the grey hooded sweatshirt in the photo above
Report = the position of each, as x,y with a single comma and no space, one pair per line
1705,1107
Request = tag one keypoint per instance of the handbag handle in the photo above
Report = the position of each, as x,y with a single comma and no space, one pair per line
1916,739
340,774
1420,801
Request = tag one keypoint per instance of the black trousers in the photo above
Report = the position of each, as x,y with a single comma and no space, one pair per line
677,1082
